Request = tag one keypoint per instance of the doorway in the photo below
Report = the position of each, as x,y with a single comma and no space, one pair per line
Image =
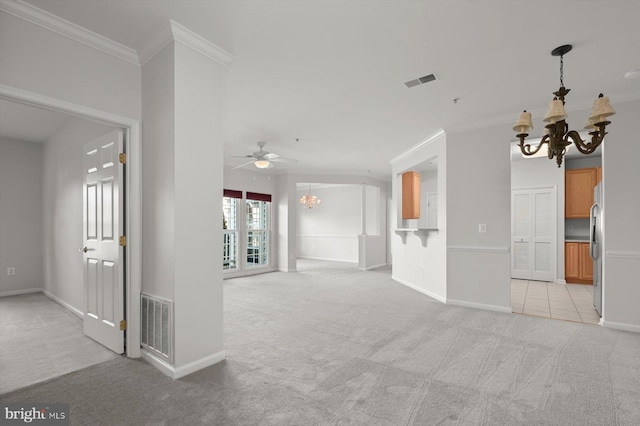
133,198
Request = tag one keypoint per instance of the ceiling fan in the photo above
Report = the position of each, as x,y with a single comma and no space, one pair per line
263,159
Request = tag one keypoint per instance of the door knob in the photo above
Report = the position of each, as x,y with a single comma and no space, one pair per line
83,250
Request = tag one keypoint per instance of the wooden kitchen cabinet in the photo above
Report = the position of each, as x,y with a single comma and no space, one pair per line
586,263
571,262
578,265
578,192
598,175
411,195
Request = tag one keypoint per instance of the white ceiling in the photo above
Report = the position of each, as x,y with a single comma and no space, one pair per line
331,73
27,123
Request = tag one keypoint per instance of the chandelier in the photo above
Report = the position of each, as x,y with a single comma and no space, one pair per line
310,201
556,132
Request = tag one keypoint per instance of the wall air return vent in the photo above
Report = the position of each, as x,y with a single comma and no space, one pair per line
157,326
421,80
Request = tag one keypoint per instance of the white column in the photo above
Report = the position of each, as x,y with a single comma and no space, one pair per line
183,92
363,211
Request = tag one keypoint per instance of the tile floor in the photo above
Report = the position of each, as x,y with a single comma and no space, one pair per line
569,302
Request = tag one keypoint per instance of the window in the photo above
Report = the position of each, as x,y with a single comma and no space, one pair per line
230,233
251,236
258,209
257,233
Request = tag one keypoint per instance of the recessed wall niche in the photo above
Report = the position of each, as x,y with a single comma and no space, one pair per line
419,188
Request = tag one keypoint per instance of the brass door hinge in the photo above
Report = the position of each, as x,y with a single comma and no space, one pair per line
122,157
123,325
123,241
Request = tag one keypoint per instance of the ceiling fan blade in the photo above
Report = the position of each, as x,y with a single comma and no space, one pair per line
242,156
244,164
283,160
270,156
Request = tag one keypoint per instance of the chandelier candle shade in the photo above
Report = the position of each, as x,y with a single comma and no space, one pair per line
557,135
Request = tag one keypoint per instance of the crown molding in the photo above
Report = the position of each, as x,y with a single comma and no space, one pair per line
180,34
51,22
418,146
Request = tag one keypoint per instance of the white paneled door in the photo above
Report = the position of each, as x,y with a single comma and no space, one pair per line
103,251
533,232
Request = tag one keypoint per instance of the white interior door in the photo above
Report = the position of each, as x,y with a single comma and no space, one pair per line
533,232
103,206
520,234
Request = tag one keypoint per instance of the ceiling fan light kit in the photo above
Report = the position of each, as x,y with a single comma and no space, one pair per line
263,159
557,135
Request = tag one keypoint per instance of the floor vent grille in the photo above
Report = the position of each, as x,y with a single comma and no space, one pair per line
157,326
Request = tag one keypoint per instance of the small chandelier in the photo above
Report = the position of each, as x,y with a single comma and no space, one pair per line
310,201
556,132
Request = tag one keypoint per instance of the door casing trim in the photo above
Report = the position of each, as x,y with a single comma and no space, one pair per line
133,195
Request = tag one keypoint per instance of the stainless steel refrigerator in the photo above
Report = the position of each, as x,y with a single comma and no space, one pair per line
595,245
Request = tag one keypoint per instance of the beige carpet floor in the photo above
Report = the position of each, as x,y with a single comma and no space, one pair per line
330,345
39,339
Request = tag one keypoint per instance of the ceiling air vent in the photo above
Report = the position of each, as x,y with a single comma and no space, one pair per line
421,80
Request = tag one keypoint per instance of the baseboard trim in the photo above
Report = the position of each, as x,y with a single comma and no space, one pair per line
327,259
185,370
420,290
485,249
61,302
559,281
368,268
247,272
19,292
621,326
482,306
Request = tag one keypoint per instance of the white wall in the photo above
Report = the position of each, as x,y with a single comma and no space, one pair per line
158,129
428,184
288,208
50,64
250,179
331,230
21,216
421,267
479,192
287,222
541,172
621,180
62,209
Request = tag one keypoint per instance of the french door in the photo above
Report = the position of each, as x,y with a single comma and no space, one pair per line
533,234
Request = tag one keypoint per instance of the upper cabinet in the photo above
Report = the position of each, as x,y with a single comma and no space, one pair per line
411,195
578,195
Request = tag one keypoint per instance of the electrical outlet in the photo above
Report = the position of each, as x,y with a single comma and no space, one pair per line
11,271
482,228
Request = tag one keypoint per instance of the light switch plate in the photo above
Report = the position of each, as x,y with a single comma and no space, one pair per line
482,228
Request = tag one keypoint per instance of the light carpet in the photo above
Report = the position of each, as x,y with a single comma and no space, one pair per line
333,345
39,339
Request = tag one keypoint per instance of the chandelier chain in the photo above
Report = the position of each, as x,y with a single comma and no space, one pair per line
561,71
